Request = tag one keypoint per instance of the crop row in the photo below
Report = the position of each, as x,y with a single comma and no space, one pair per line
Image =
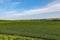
9,37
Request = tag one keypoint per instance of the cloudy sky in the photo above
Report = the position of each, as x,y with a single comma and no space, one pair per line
29,9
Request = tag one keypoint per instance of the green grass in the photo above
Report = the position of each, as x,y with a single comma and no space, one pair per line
10,37
49,30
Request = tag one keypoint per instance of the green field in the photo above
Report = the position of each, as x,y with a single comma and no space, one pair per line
48,30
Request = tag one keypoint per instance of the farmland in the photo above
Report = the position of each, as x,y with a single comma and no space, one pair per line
48,30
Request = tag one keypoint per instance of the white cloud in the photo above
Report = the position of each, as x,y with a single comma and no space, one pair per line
9,1
15,3
52,7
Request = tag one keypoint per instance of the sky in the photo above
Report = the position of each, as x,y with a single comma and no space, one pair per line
29,9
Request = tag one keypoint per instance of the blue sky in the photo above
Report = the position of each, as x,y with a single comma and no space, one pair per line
29,9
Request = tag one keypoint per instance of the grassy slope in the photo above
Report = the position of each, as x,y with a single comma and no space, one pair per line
34,29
